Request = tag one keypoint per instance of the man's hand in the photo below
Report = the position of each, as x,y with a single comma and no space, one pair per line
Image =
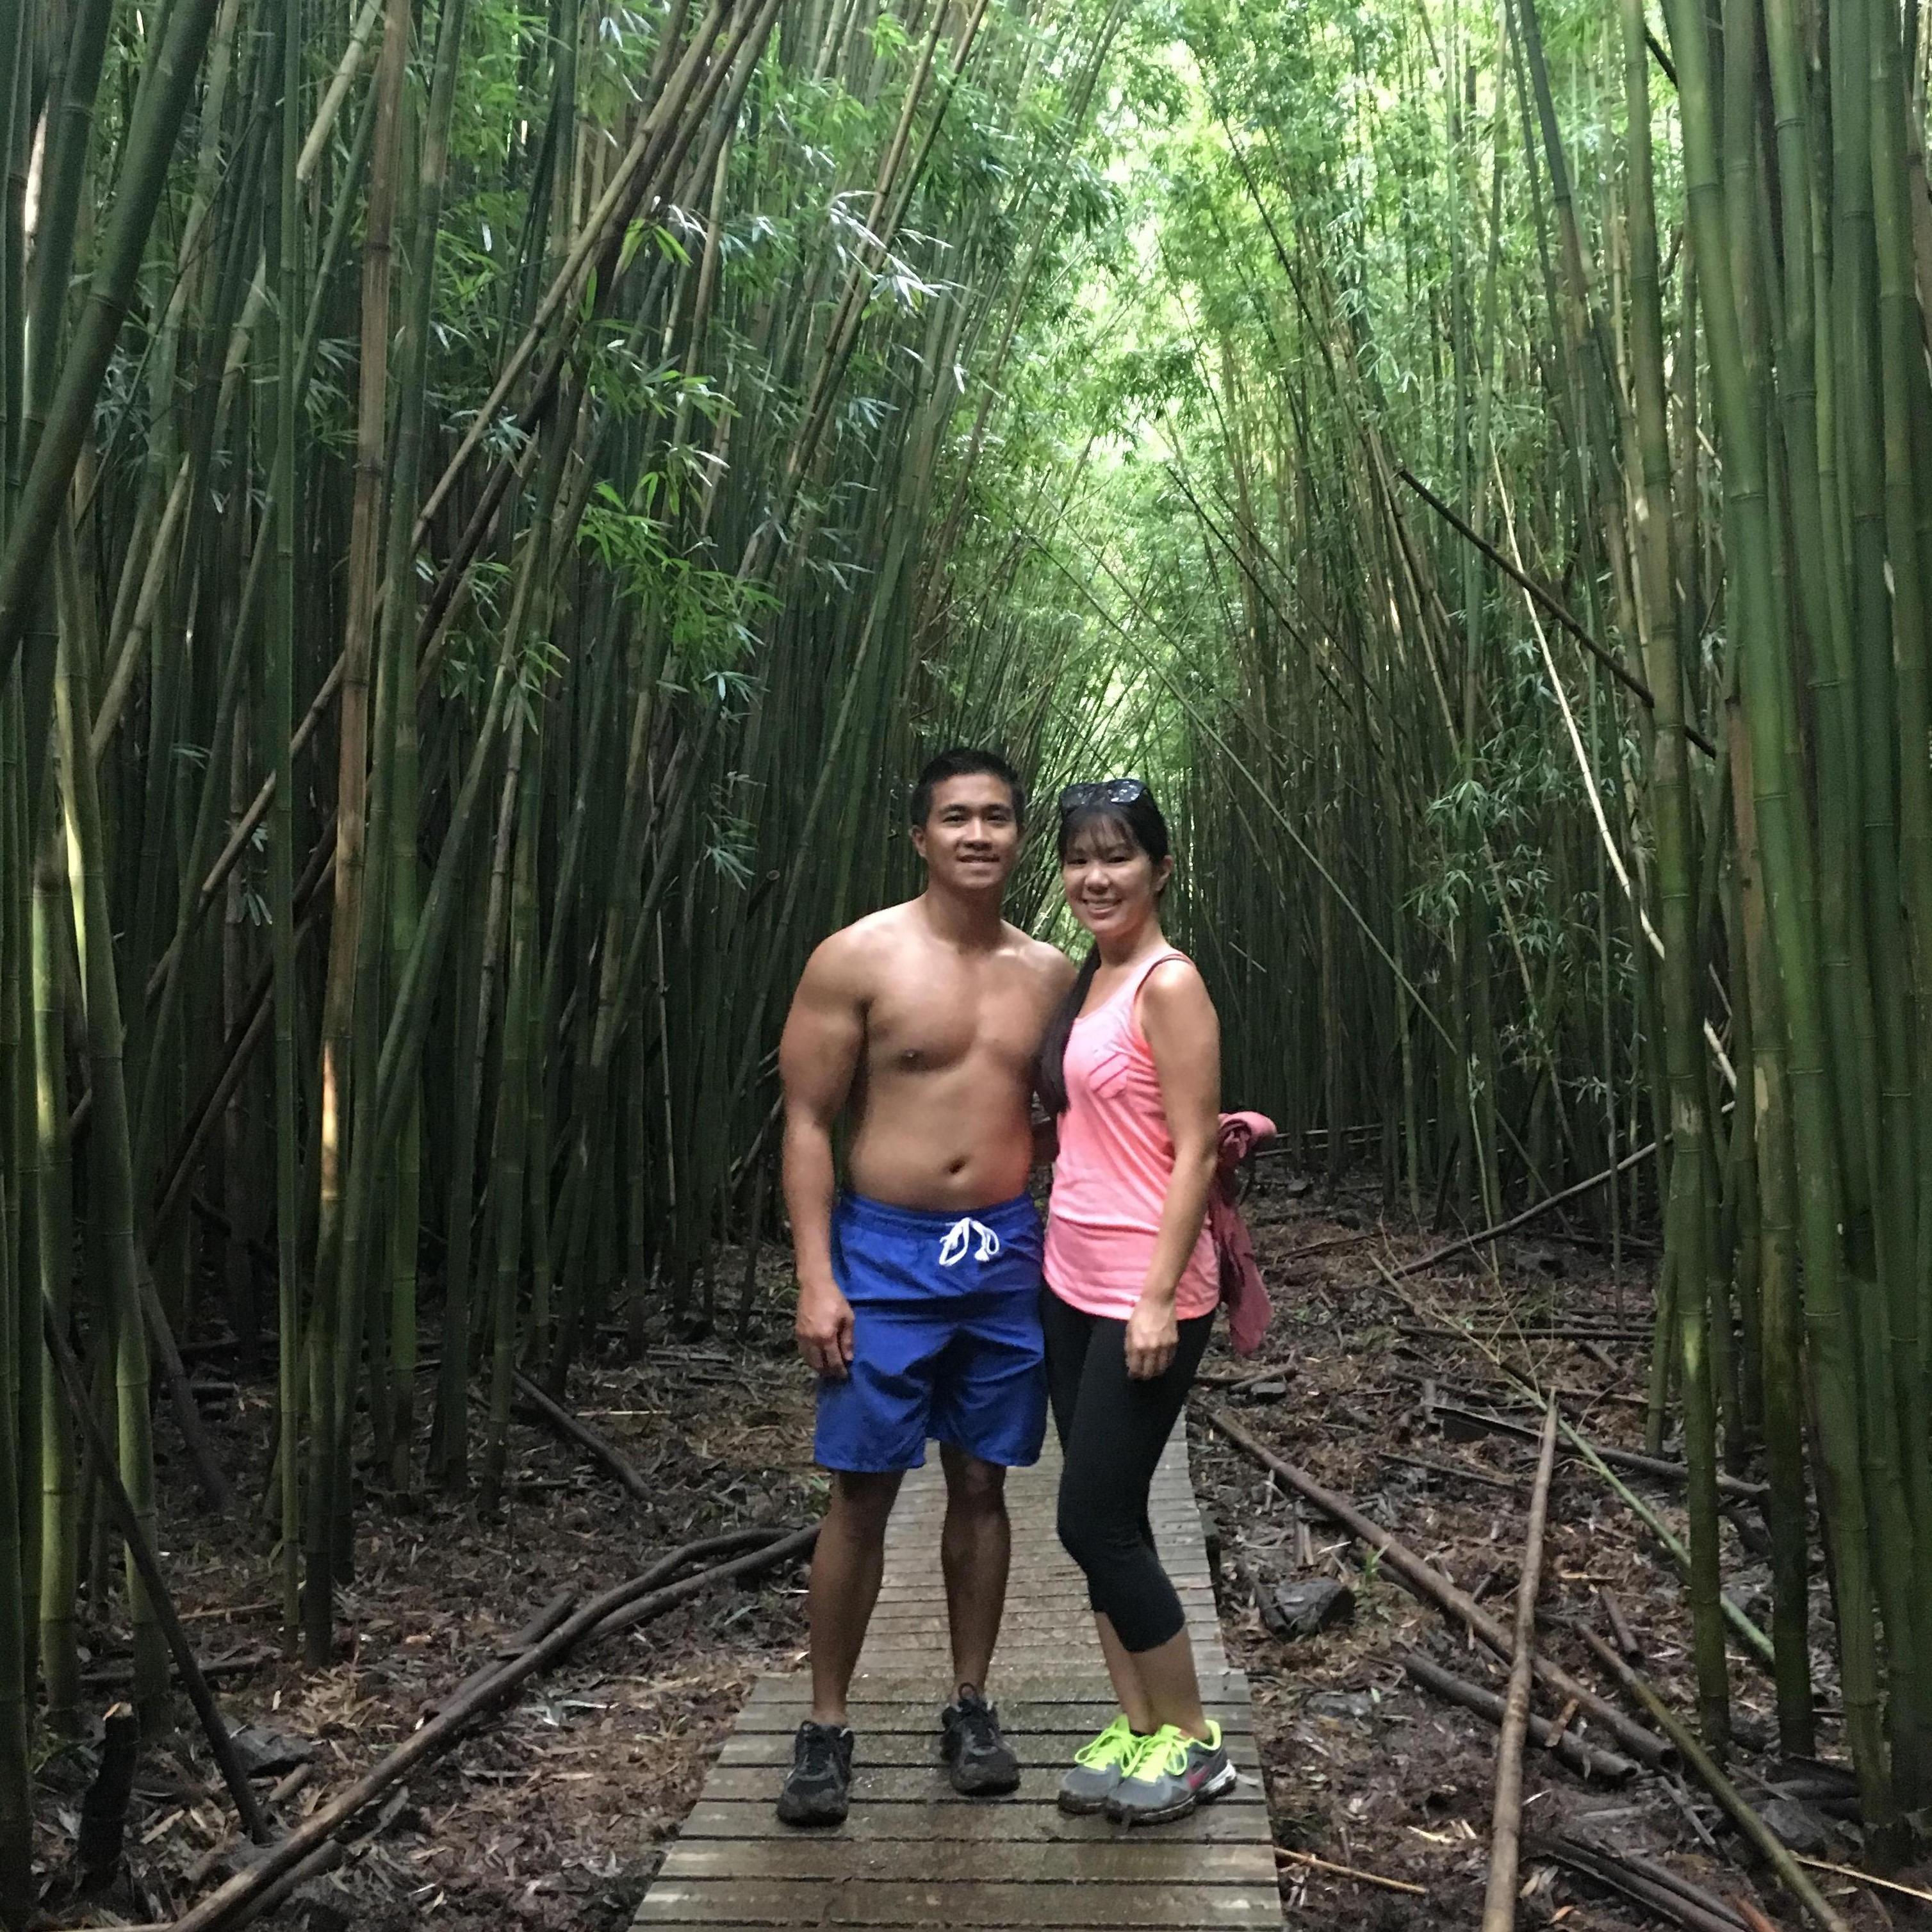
824,1330
1152,1335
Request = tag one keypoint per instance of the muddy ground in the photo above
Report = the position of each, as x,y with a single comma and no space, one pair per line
556,1814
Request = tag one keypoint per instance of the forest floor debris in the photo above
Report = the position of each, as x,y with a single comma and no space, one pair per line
556,1814
1369,1770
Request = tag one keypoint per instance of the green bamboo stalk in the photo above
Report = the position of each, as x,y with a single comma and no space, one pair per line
512,1124
1689,1232
111,1182
1902,384
1787,860
278,730
16,1292
160,107
60,1661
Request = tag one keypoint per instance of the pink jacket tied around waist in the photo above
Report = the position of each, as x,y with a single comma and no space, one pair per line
1244,1294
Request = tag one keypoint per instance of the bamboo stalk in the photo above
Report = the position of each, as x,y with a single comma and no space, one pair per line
635,1599
1748,1821
1435,1588
1506,1813
141,1549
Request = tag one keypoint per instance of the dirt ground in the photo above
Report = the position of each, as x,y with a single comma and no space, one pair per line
556,1814
1367,1769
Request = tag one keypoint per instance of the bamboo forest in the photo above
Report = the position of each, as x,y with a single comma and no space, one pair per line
499,500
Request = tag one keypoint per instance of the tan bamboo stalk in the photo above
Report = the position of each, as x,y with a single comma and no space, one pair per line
110,1169
1506,1816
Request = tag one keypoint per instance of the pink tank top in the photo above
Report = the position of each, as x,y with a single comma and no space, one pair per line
1116,1158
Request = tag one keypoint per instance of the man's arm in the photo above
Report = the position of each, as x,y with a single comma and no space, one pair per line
818,1055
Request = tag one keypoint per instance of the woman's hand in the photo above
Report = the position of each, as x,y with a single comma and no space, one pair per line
1153,1335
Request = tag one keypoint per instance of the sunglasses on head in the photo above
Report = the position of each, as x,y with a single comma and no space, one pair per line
1102,791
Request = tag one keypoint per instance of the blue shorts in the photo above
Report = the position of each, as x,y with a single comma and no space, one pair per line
946,1336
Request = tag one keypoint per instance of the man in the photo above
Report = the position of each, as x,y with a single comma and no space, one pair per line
918,1288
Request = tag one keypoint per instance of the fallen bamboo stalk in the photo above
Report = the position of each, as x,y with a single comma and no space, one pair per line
1586,1760
1754,1638
534,1632
1701,1913
1626,1638
597,1447
73,1386
1660,1873
1529,1331
1506,1812
319,1862
1483,1235
220,1905
1435,1588
1864,1877
1438,1467
1233,1385
113,1675
1790,1873
1402,1884
1627,1459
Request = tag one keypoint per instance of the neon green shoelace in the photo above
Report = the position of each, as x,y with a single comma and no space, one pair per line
1116,1745
1166,1751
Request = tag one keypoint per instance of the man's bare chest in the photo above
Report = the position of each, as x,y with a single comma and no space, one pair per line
952,1023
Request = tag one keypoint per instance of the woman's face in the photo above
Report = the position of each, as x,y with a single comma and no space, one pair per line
1112,884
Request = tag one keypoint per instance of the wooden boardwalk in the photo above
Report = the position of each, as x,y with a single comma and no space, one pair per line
913,1853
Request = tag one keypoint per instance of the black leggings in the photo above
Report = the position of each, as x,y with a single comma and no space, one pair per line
1112,1430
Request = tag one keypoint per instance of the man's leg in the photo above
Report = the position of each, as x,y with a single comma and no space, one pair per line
845,1570
974,1550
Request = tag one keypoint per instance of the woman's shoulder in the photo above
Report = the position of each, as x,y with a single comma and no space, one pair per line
1174,1000
1173,981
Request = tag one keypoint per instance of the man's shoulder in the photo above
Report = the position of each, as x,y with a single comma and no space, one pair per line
866,942
1037,956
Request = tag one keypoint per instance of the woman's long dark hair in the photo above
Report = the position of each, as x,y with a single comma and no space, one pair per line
1141,820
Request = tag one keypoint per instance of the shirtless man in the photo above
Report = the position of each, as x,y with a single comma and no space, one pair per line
918,1303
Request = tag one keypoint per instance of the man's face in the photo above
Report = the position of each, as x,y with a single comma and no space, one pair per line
971,839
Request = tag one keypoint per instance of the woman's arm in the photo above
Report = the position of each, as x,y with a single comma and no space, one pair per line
1184,1033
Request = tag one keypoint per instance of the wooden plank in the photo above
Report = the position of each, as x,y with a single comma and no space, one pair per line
753,1902
1026,1624
1008,1822
932,1654
1052,1749
1123,1858
1081,1685
920,1592
909,1785
913,1853
921,1717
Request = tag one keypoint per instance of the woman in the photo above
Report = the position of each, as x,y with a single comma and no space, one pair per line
1131,1066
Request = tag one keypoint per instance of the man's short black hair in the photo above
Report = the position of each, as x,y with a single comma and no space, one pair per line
965,761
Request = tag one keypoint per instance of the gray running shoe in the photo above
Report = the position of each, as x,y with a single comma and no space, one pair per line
1097,1768
818,1790
981,1762
1170,1774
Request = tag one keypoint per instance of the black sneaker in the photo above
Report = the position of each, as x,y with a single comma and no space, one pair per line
982,1762
818,1790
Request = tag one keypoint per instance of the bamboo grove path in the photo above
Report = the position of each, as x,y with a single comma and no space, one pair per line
914,1854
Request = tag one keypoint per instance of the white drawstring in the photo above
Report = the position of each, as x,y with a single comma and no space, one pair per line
958,1238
